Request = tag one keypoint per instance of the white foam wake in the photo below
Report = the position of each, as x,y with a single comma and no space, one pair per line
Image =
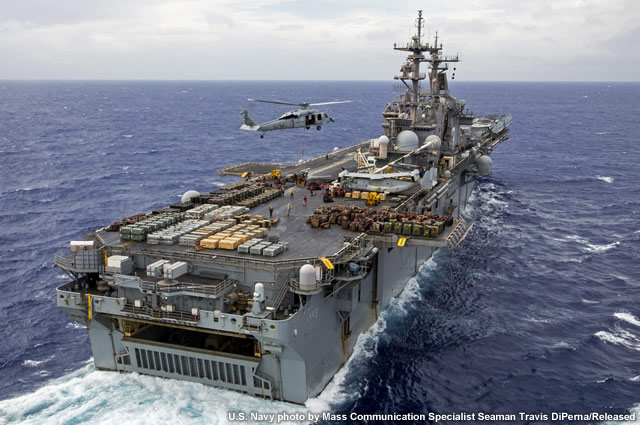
601,248
75,325
35,363
367,344
605,179
635,409
90,396
627,317
593,248
620,337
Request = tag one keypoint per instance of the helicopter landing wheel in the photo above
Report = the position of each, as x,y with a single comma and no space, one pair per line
307,128
262,136
318,128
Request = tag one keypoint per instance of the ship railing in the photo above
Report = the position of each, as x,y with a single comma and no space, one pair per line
159,314
411,200
356,246
243,262
410,46
265,384
63,261
294,286
347,276
249,263
458,234
447,58
252,324
182,287
279,296
85,261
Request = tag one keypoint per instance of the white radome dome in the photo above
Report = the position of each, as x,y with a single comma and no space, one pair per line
407,141
436,141
186,197
485,164
307,277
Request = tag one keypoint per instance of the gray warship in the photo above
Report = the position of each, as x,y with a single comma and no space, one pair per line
254,289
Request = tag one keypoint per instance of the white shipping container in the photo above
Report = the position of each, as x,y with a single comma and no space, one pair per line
175,270
116,260
119,264
155,269
80,245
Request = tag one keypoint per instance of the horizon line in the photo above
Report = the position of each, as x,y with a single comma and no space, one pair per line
285,80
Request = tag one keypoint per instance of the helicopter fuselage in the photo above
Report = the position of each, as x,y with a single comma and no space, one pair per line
298,118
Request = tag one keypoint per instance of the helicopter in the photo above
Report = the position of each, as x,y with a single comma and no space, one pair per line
297,118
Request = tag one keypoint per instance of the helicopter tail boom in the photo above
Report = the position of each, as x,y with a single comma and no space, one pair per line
249,123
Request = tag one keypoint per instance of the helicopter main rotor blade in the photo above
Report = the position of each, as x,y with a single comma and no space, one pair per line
274,101
328,103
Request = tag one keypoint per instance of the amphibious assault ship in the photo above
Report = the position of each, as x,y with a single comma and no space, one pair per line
246,288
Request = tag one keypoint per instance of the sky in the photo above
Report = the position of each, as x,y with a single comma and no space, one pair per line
498,40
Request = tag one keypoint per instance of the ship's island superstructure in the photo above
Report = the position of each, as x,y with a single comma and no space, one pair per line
246,288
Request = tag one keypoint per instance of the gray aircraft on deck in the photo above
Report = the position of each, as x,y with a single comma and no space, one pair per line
298,118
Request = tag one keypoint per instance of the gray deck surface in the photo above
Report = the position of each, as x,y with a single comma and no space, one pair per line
317,165
304,241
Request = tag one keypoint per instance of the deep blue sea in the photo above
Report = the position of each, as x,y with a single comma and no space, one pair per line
538,311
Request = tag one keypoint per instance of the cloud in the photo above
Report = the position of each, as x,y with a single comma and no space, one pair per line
323,39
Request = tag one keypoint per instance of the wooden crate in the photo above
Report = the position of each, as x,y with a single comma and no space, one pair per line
209,243
229,243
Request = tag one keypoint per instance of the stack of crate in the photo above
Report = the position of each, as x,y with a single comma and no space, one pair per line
261,198
231,233
192,238
200,211
172,234
140,230
225,212
263,247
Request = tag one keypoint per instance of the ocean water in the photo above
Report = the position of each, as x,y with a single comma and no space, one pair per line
537,311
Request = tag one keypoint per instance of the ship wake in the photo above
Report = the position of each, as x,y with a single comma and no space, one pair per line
348,384
90,396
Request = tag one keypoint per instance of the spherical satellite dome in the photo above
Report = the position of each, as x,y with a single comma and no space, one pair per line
485,164
189,194
436,141
383,140
407,141
307,276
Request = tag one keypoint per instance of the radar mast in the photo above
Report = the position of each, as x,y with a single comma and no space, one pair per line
422,111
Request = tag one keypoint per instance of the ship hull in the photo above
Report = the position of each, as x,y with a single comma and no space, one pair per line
212,291
302,354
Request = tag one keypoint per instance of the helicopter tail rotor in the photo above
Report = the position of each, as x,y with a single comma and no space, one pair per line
249,123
